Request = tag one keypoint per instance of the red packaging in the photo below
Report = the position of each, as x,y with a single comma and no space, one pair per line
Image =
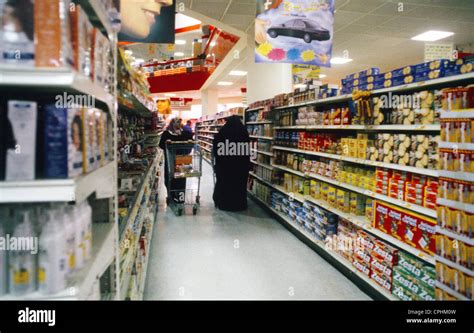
362,255
361,266
385,253
382,267
381,279
365,241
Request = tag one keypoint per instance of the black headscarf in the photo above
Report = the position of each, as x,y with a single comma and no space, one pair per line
233,130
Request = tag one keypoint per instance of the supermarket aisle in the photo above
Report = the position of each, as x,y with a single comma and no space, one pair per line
246,255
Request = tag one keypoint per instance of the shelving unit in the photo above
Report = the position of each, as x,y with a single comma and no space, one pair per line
99,186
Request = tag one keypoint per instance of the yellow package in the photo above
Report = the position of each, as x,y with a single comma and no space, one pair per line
362,136
469,287
296,184
306,190
345,146
324,191
288,184
331,196
312,188
369,210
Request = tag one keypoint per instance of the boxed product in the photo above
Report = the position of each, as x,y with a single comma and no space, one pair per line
400,72
381,278
414,229
401,292
361,266
343,200
41,38
21,161
381,267
63,142
412,266
89,134
82,33
362,255
385,253
411,284
365,241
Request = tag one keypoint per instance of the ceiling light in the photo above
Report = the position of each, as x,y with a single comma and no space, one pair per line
128,52
322,76
432,35
238,73
180,42
170,95
224,83
340,61
179,54
300,86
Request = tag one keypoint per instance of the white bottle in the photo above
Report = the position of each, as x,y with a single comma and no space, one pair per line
70,234
52,259
79,237
3,253
87,225
22,263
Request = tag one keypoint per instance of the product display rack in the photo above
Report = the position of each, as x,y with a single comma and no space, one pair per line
361,221
98,186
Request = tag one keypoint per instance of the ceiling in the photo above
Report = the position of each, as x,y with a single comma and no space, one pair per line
375,33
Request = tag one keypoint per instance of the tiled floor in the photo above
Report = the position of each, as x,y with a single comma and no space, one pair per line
247,255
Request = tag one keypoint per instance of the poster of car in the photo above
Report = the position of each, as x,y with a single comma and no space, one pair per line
294,31
147,21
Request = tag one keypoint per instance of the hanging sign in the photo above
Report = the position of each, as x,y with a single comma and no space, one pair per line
436,51
302,73
294,31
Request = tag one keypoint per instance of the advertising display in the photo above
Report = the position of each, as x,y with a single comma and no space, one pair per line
294,31
147,21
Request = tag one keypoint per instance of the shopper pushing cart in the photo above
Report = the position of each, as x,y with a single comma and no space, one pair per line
182,161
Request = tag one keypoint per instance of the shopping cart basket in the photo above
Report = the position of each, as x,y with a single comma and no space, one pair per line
184,162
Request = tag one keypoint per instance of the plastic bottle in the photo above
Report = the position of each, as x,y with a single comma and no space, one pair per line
52,266
3,253
22,263
70,234
79,237
87,225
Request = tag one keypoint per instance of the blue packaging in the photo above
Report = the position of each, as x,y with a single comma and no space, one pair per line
399,72
63,142
429,75
398,81
432,65
364,73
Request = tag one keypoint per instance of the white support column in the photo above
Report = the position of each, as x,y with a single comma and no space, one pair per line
266,80
210,100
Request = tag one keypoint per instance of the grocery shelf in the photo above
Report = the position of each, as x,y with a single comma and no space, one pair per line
427,172
101,16
201,131
80,284
254,109
348,265
456,114
450,291
281,167
207,137
141,285
263,152
206,149
428,83
456,205
433,128
452,264
466,176
455,145
261,122
451,234
101,181
334,99
261,137
415,208
58,80
262,165
266,182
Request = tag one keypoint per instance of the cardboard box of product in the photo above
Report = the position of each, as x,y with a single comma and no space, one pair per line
381,278
361,266
426,274
401,292
381,266
410,283
385,253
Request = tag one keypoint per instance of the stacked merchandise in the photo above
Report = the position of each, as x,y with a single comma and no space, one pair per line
455,238
318,222
58,244
372,79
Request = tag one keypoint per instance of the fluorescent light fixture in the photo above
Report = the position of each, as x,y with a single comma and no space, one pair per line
322,76
170,95
238,73
224,83
180,42
432,35
179,54
128,52
340,61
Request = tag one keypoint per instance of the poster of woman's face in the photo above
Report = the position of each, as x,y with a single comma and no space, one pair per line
147,21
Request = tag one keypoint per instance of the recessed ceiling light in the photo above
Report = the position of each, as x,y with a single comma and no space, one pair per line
170,95
238,73
180,42
179,54
340,61
224,83
432,35
322,76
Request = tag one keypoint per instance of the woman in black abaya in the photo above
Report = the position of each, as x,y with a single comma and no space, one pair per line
231,165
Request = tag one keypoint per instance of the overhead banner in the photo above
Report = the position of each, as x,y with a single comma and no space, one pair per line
147,21
303,73
294,31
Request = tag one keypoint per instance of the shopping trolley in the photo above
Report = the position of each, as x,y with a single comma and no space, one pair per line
184,162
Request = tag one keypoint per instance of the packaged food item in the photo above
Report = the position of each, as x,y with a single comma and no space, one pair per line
381,278
413,285
81,40
361,266
89,140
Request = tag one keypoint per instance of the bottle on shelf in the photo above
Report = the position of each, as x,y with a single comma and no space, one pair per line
22,263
